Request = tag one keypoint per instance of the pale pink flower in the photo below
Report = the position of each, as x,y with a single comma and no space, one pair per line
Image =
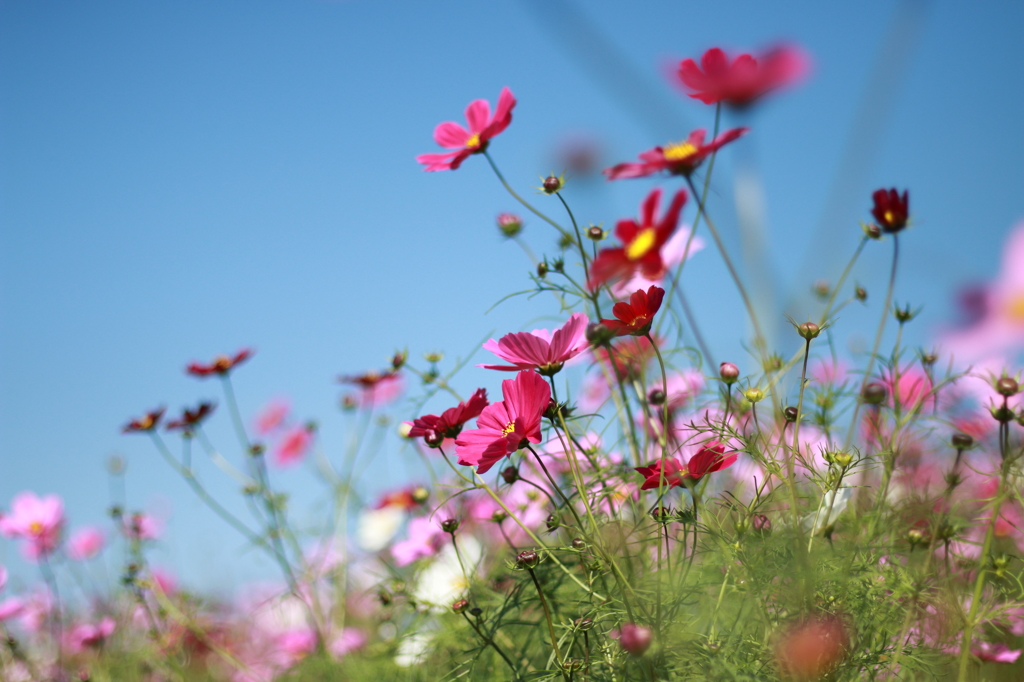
143,527
39,520
11,607
424,539
90,635
540,349
347,641
272,416
998,324
293,446
85,543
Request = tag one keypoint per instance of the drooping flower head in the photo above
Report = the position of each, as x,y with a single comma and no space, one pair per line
221,365
745,79
680,158
435,428
482,127
189,419
38,520
891,210
708,459
540,349
147,422
641,243
506,426
635,317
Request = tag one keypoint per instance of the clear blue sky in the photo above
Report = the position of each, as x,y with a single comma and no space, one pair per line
181,179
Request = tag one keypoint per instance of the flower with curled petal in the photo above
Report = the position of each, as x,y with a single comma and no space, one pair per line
540,349
635,317
482,127
435,428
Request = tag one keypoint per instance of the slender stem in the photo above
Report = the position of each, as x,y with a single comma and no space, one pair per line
522,201
878,336
583,251
547,615
692,321
56,625
790,471
493,644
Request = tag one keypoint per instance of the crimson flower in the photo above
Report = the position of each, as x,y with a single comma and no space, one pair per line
504,427
745,79
641,243
148,422
891,210
540,349
378,388
482,127
222,364
190,418
636,316
709,458
680,158
434,429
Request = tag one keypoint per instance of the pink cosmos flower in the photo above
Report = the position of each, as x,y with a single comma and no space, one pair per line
745,79
540,349
11,608
85,543
504,427
90,635
272,416
143,527
642,242
39,520
435,428
634,639
482,127
680,158
997,653
293,446
424,539
347,641
708,459
997,310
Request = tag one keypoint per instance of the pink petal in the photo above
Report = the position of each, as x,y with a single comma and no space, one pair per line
450,135
478,115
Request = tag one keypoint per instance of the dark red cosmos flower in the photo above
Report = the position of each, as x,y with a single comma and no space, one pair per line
680,158
641,243
190,418
146,423
628,357
891,210
636,316
709,458
745,79
434,429
221,365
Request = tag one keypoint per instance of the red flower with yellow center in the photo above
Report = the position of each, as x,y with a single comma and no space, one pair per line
680,158
641,243
891,210
221,365
636,316
482,127
709,458
147,422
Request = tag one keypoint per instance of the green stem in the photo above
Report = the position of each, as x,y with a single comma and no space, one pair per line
522,201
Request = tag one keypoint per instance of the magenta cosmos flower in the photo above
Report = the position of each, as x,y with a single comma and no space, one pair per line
641,243
435,428
504,427
540,349
482,127
680,158
739,82
708,459
39,520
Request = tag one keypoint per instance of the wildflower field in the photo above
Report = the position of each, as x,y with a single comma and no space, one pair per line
612,499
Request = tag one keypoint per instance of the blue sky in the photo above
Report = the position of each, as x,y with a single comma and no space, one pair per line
183,179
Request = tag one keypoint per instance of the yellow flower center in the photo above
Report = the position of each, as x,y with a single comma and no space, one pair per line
35,528
473,142
641,244
889,217
1015,308
509,428
679,151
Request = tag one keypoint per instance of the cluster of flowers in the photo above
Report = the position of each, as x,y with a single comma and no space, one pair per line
658,518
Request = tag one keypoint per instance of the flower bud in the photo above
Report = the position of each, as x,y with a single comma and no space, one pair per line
433,439
754,395
573,664
661,514
598,334
399,358
821,288
635,639
842,459
476,611
1001,413
760,522
772,363
808,330
558,265
1007,386
584,624
929,359
903,315
791,414
861,294
578,543
433,357
509,224
553,184
962,441
553,523
875,394
915,536
527,559
596,233
460,606
450,525
256,449
729,372
542,269
656,397
348,403
499,515
510,474
871,230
